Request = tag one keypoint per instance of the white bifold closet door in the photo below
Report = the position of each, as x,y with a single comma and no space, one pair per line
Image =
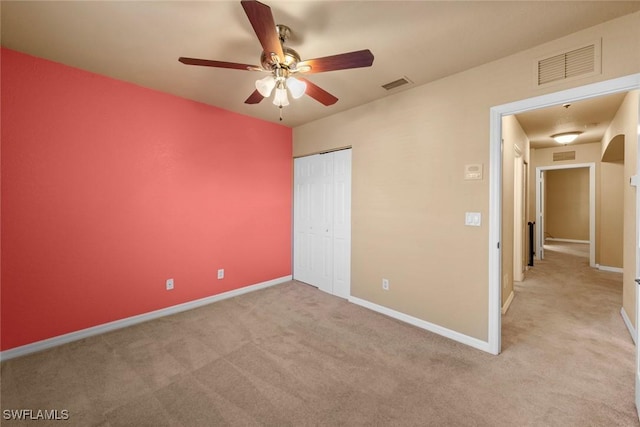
322,221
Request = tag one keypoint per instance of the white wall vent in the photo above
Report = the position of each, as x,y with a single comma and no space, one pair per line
579,62
564,155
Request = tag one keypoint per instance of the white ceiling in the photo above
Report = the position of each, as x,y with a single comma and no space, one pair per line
140,42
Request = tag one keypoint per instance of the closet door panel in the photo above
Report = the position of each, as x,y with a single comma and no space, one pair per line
342,224
322,221
302,223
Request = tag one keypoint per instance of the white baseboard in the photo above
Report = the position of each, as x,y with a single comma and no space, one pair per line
507,303
554,239
612,269
423,324
133,320
629,325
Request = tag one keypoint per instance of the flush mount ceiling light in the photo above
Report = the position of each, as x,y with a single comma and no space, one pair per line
565,121
565,137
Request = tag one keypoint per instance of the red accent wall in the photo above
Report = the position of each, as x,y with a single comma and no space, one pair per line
109,189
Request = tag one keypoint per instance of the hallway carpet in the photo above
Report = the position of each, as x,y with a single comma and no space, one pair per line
292,355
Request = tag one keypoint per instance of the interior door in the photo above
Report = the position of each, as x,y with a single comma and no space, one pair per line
518,219
312,223
525,214
636,182
322,219
342,224
304,235
540,214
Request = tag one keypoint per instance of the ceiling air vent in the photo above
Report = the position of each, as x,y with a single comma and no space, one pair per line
397,83
579,62
564,155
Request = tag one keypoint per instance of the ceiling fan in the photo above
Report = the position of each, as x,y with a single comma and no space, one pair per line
283,63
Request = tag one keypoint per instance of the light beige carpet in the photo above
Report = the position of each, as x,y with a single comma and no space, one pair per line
577,249
292,355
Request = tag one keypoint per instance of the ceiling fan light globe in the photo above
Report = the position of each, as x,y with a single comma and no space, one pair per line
265,85
296,87
280,99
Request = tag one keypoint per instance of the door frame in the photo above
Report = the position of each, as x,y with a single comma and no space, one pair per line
621,84
519,215
635,181
539,236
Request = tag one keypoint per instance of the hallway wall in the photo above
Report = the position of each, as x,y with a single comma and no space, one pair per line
626,123
567,204
611,232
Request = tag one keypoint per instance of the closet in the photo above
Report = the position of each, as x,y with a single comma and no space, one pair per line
322,221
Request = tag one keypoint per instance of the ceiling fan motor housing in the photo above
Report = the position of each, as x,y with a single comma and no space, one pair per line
291,59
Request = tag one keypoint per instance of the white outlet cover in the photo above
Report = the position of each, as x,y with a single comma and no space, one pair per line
169,284
221,273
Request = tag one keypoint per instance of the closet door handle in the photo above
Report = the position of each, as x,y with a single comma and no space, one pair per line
638,281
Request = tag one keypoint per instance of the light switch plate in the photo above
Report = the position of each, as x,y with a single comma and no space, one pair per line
473,219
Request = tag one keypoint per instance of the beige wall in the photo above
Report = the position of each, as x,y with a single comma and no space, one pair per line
625,123
611,213
567,204
409,195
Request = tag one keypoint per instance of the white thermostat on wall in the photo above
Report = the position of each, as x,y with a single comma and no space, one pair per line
473,171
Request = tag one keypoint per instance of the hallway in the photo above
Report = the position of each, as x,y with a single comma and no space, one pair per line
566,316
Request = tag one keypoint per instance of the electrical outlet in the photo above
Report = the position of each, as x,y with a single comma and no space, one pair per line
169,284
221,274
385,284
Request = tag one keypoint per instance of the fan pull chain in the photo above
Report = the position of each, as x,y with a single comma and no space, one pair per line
280,112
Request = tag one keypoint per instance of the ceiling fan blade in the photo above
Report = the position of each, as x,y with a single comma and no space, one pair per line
264,26
319,94
254,98
343,61
219,64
